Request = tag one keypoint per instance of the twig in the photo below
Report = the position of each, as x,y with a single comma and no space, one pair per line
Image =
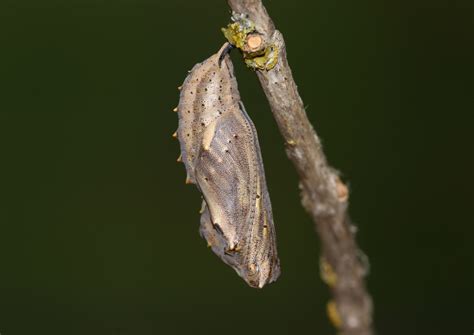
324,195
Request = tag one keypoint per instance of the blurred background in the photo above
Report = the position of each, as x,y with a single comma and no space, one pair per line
99,233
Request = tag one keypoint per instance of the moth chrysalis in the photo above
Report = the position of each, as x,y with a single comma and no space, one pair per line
221,153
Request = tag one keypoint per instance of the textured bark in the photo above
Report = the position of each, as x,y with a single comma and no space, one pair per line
324,196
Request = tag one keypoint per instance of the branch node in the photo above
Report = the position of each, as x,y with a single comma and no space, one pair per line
258,53
342,190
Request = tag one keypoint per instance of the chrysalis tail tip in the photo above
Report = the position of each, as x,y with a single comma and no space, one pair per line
225,51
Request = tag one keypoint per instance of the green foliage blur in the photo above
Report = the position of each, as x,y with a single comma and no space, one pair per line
99,233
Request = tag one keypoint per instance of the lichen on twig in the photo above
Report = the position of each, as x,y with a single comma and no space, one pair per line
257,54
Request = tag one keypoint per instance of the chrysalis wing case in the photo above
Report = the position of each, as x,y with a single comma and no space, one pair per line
220,150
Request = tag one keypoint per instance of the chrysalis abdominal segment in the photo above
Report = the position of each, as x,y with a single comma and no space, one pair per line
221,153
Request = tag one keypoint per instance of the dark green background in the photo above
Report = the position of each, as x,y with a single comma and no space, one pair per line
99,234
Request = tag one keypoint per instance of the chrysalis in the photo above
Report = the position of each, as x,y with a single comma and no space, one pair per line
220,150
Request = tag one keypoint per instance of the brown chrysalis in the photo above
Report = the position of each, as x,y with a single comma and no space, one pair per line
220,150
